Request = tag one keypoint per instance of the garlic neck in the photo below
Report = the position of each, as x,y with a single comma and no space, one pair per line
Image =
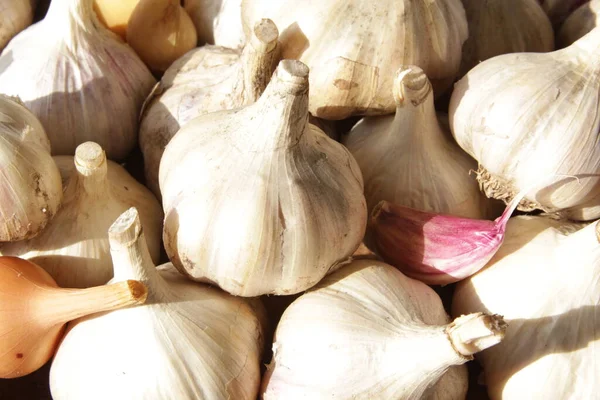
470,334
283,107
69,14
587,46
259,58
90,177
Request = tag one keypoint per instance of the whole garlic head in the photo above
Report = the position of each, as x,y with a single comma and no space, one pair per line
544,281
353,47
531,121
30,184
74,247
205,80
78,78
15,15
188,341
273,203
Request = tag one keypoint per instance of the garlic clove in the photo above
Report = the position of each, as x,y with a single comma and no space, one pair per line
34,311
16,16
115,14
74,247
205,80
579,23
188,341
79,80
272,213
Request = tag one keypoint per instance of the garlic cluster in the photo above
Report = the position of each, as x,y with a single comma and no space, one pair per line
544,281
74,246
407,159
531,122
369,332
15,15
504,26
354,47
30,187
579,23
217,22
78,78
205,80
189,341
273,204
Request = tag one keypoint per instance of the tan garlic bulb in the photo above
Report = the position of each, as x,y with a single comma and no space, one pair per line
160,31
407,159
189,341
78,78
217,22
579,23
558,10
544,281
273,203
369,332
115,14
74,247
354,47
504,26
205,80
530,121
30,187
15,15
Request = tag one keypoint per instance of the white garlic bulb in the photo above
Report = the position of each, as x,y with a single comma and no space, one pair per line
78,78
188,341
544,281
273,204
369,332
74,247
217,22
407,159
579,23
30,184
205,80
15,15
504,26
530,120
354,47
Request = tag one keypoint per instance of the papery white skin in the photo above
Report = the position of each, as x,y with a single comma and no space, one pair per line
365,332
354,47
217,22
16,15
205,80
544,281
74,247
30,184
189,341
504,26
532,122
407,159
579,23
273,204
78,78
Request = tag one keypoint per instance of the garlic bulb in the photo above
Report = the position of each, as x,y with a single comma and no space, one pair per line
217,21
30,187
16,15
160,31
530,120
115,14
558,10
504,26
407,159
189,341
78,79
579,23
354,47
369,332
74,247
273,204
544,280
205,80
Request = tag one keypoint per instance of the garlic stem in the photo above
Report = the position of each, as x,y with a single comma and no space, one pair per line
411,84
589,44
80,11
470,334
65,305
91,169
259,59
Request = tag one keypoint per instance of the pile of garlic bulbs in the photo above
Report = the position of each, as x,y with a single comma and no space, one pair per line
242,199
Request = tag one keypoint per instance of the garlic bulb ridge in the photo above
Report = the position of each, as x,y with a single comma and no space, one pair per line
274,204
78,78
188,341
74,247
205,80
